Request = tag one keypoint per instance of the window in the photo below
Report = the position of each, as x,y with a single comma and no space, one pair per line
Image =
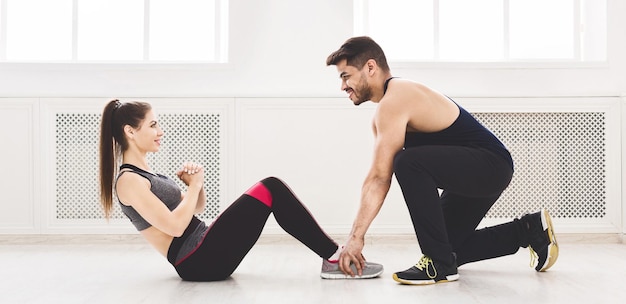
485,30
113,30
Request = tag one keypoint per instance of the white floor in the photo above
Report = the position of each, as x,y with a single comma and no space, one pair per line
122,269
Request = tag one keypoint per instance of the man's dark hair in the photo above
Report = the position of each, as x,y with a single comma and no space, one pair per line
357,51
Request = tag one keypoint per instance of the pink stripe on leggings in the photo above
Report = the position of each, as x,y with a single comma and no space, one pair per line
260,192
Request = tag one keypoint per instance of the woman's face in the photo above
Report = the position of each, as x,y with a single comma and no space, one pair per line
148,136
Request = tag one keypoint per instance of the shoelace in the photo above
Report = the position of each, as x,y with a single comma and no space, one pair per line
423,264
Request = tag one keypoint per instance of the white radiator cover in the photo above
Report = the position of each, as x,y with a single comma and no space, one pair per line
560,163
567,154
189,137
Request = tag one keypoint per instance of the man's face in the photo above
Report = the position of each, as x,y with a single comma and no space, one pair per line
354,82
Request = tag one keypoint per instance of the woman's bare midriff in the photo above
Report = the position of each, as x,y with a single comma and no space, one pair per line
159,240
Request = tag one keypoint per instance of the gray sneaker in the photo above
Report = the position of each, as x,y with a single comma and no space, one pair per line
330,270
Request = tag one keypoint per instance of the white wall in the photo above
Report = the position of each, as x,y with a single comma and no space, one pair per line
277,49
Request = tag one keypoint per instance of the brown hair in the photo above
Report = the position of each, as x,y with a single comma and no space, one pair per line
357,51
113,143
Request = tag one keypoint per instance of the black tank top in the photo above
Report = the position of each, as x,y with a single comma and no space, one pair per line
464,131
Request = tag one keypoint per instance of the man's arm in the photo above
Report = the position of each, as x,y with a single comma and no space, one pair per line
389,127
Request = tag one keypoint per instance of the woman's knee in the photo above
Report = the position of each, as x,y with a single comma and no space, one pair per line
272,181
274,184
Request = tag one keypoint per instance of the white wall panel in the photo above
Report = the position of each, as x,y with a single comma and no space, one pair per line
322,148
623,163
20,168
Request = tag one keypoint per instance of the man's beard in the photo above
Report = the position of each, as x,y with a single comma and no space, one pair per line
363,94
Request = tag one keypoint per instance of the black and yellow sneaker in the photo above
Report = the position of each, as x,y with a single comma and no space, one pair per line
426,272
544,249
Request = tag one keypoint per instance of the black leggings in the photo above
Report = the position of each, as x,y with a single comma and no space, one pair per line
472,180
236,230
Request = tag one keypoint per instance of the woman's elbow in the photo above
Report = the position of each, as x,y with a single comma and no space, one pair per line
177,230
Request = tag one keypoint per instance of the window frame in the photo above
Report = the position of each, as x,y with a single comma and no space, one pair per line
221,45
360,11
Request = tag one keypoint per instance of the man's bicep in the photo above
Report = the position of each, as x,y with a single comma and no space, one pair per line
385,148
390,135
391,130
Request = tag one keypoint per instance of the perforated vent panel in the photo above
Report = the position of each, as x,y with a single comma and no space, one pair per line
559,163
188,137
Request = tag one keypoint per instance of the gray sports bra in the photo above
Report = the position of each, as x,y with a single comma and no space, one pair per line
162,186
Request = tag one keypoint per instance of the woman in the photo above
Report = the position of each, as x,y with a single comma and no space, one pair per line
164,215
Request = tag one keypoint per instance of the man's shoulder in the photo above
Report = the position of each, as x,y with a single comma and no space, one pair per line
405,93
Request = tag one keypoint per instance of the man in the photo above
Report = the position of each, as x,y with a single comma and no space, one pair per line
429,143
